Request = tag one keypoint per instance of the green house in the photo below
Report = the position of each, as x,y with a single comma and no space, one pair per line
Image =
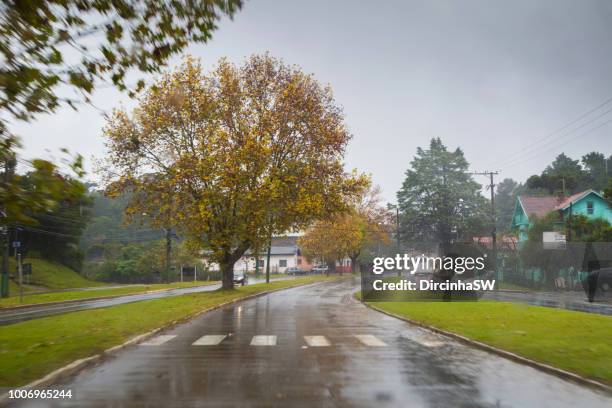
589,203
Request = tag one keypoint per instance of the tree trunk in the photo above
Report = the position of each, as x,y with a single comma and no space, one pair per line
353,265
227,273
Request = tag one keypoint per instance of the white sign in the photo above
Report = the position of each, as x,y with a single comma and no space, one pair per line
553,240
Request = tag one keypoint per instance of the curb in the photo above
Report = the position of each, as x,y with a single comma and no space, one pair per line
78,365
503,353
68,302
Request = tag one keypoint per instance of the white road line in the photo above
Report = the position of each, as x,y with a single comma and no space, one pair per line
158,340
370,340
317,341
209,340
263,341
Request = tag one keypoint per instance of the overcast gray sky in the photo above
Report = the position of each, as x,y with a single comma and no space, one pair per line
492,77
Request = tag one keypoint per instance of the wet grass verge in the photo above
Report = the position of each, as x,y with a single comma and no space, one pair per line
574,341
31,349
35,299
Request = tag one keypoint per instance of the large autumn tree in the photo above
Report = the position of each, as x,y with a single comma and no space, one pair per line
232,155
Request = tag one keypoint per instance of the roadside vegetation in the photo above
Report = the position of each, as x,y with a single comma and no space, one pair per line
48,275
34,348
573,341
40,298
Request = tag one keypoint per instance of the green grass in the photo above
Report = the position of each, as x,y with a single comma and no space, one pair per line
14,288
31,349
34,298
573,341
53,276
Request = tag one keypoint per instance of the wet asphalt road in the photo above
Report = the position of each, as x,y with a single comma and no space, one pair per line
35,312
390,364
559,300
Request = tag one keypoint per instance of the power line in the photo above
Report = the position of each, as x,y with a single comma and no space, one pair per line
532,156
562,128
41,231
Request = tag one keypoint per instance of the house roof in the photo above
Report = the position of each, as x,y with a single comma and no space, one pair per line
538,206
283,250
276,250
573,198
284,241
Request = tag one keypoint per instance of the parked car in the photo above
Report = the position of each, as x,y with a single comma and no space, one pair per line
320,269
296,271
240,278
598,282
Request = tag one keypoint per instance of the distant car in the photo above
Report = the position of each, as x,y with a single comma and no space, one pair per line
296,271
320,269
240,278
598,282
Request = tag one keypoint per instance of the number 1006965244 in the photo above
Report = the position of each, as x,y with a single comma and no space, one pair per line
39,394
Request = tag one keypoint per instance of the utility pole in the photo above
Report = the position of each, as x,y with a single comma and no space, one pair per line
397,234
268,260
397,227
168,252
493,218
17,250
20,272
569,224
563,183
9,168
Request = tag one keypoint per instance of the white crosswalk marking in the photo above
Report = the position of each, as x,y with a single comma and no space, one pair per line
317,341
209,340
263,340
158,340
424,339
433,343
370,340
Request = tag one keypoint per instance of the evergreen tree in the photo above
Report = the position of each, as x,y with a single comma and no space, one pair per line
439,200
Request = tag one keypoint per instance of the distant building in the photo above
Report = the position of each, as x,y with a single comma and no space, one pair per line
504,242
284,254
589,203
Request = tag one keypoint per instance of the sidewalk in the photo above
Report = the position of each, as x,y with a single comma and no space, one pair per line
575,300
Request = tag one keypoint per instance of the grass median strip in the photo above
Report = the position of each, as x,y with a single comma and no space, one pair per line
573,341
31,349
33,299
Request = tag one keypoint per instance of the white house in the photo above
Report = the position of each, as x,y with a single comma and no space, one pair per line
281,258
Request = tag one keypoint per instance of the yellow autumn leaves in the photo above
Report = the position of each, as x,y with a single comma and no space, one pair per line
233,155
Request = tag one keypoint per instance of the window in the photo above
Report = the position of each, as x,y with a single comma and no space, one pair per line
260,263
282,263
299,261
589,207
